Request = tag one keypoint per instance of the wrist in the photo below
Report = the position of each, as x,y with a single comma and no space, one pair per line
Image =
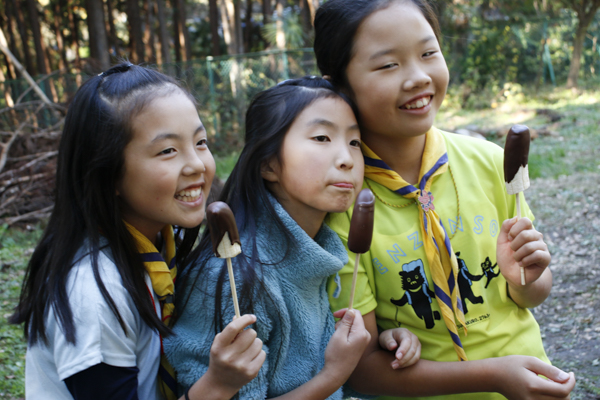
209,387
333,377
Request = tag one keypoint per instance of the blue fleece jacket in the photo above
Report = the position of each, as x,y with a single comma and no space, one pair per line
293,317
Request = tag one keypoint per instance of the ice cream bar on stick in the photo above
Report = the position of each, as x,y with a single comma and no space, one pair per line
225,240
361,231
516,172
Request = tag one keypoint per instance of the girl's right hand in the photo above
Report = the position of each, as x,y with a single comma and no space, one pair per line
236,354
346,346
518,379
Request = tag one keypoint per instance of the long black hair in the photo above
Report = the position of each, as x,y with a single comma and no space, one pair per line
336,23
90,162
268,119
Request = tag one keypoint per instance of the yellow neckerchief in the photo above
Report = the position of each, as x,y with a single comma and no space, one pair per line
162,274
441,258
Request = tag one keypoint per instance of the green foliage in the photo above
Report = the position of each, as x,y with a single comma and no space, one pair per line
292,28
15,248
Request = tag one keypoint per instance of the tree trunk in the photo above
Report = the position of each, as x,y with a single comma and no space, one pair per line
113,41
7,26
98,38
163,36
177,34
280,38
585,15
213,13
74,28
136,41
30,65
306,19
267,11
248,30
184,34
34,22
60,40
149,31
230,19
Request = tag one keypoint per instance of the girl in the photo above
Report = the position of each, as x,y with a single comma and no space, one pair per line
301,161
98,293
440,263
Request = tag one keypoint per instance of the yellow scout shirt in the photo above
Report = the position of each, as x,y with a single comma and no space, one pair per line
394,277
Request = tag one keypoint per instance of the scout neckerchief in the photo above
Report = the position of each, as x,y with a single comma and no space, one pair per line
162,274
441,258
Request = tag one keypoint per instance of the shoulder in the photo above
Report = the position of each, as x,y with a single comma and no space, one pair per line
474,156
470,145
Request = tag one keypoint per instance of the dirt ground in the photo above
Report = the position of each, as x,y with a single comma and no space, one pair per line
567,211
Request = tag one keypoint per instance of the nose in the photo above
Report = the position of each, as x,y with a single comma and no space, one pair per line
345,160
417,77
194,164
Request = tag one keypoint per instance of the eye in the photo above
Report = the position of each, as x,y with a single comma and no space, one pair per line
388,66
167,151
202,143
429,53
355,143
321,138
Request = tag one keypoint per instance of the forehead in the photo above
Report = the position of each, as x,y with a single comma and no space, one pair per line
332,108
398,24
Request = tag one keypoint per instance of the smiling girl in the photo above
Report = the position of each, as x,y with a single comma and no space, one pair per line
301,161
98,295
445,256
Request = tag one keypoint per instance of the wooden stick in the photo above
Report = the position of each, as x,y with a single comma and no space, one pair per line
236,305
517,197
353,287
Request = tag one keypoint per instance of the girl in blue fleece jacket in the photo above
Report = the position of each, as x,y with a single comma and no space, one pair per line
302,160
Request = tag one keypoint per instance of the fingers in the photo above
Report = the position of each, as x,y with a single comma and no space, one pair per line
345,324
409,350
340,313
559,383
230,332
387,340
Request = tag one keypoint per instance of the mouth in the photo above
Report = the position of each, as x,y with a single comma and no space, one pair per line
344,185
418,103
189,195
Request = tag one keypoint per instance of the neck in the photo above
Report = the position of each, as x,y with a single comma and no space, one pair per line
403,155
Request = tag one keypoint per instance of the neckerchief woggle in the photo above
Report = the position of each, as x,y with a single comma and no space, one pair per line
162,274
442,261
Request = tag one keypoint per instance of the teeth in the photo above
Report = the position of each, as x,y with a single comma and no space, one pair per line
419,103
188,195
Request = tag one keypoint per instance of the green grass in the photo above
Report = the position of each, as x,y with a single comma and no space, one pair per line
575,149
15,248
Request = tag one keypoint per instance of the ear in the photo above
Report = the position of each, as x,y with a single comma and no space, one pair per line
269,170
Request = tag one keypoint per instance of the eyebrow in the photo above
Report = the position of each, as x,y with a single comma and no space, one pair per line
388,51
329,124
166,136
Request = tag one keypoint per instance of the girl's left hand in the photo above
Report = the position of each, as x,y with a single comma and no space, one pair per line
519,244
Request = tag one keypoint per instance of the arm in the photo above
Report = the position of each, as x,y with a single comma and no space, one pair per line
341,356
519,244
514,376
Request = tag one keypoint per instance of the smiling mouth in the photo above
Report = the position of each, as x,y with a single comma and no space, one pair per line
420,103
189,195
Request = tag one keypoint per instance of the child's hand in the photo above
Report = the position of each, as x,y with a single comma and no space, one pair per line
406,344
236,355
346,346
518,379
519,244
